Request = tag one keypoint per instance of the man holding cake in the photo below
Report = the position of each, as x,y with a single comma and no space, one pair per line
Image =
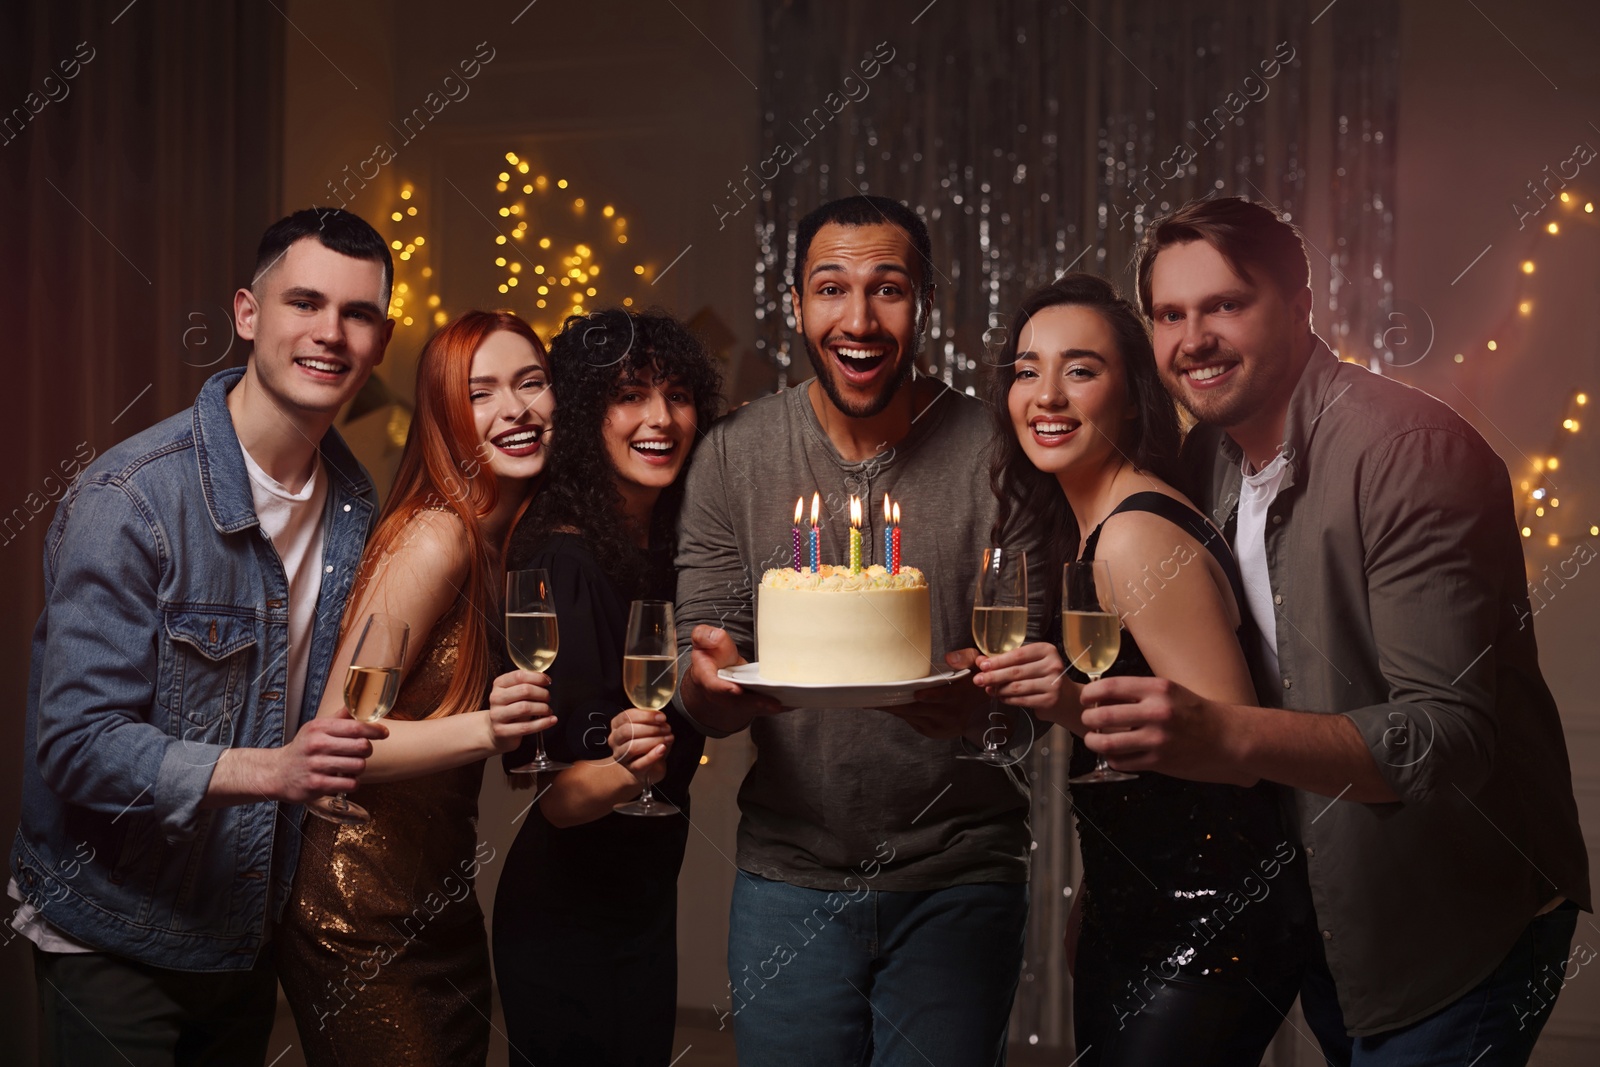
882,893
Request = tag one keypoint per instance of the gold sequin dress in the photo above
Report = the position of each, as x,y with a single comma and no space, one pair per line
382,952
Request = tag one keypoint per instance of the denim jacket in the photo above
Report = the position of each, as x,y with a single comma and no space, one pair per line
163,642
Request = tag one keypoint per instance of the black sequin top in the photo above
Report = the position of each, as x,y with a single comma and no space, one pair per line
1184,877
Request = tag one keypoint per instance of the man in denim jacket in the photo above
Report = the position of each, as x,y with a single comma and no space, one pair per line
195,577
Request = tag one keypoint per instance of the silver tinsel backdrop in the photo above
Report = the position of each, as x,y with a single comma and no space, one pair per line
1037,137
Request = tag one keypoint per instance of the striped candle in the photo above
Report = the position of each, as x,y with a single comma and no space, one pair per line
888,539
816,511
896,557
855,535
798,502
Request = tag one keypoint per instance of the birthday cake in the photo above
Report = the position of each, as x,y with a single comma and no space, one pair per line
832,626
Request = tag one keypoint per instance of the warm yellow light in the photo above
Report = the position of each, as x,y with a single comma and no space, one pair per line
1583,398
411,248
583,250
561,183
595,269
1589,207
412,210
566,281
522,167
539,269
608,211
440,318
505,289
622,238
1554,502
1565,198
627,301
396,216
1524,486
1493,346
542,182
1525,307
499,261
541,303
1594,530
500,239
427,272
1572,424
405,255
578,203
402,288
1553,541
516,209
591,292
1460,358
1527,266
544,242
516,268
544,290
1538,464
407,320
638,269
704,760
1553,228
1525,530
528,188
574,273
511,157
505,212
505,176
1554,463
511,281
1539,512
405,194
499,187
433,301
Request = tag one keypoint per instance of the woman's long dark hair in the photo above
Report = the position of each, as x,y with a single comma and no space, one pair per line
588,358
1031,503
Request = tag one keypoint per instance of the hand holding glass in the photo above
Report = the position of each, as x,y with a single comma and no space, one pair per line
1091,636
532,641
999,624
370,687
649,678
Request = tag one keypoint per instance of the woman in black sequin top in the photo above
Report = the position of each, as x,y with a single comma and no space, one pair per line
1192,892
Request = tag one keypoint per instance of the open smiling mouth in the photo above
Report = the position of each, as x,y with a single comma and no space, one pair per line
322,366
523,441
1207,372
860,362
1054,430
654,451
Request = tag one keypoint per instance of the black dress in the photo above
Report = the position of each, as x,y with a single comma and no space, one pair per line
1195,892
585,917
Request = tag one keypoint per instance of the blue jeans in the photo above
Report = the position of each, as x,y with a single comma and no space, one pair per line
873,977
1493,1024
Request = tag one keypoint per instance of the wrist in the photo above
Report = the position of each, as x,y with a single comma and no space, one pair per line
1240,725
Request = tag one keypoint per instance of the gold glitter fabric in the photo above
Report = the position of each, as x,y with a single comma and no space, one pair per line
382,952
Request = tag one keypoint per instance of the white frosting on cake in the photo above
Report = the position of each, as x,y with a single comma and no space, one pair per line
831,627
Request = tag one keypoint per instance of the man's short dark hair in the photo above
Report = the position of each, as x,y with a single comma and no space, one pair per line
337,229
1257,244
866,211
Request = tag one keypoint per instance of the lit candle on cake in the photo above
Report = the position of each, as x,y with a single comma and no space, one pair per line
895,569
855,535
816,547
888,540
799,501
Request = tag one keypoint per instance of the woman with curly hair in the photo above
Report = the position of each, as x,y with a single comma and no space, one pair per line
585,939
382,950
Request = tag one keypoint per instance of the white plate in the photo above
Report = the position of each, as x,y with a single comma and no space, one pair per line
811,695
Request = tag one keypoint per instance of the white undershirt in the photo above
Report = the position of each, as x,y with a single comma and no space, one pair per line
1256,495
294,523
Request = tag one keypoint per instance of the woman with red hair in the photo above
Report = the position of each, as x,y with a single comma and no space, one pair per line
382,950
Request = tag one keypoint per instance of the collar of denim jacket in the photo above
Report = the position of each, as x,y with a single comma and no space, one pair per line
223,477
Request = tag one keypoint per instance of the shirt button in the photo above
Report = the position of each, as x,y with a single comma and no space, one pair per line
1327,935
347,507
328,569
1310,852
1277,520
1277,598
1288,683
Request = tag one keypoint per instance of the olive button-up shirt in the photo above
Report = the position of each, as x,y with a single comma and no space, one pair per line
1400,601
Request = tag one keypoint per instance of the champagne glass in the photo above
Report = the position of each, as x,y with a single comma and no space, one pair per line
1091,635
532,640
649,677
999,624
370,687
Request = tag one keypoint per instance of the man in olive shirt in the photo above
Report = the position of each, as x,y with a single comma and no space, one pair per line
1397,663
879,909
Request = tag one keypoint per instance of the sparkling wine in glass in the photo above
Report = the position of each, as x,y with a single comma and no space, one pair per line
999,624
370,687
532,640
649,678
1091,635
